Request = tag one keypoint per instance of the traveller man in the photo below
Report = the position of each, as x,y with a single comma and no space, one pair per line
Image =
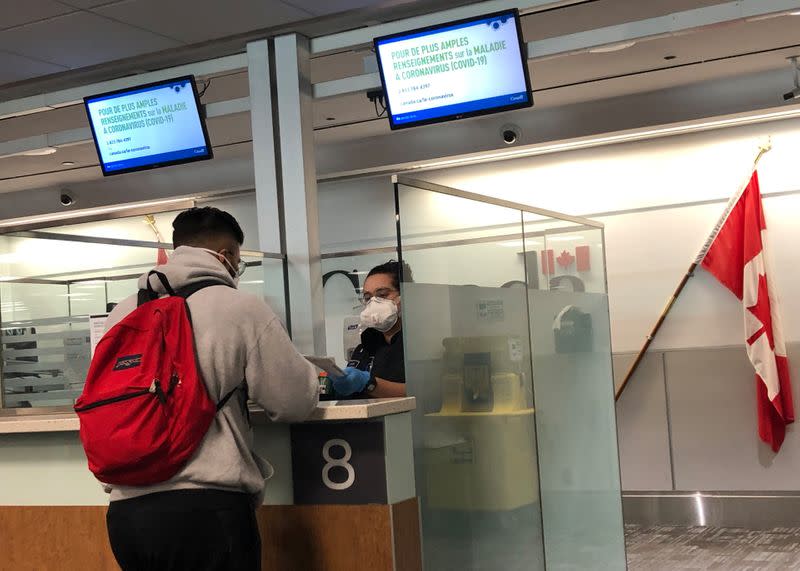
204,518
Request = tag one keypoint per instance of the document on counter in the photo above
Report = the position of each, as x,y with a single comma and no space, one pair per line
97,327
327,364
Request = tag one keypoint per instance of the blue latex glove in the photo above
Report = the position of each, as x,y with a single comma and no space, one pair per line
353,382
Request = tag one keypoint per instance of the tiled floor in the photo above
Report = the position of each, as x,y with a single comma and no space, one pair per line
671,548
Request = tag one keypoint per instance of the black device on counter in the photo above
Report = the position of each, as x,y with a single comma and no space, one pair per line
478,394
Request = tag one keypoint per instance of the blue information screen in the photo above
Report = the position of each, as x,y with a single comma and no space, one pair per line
153,125
454,70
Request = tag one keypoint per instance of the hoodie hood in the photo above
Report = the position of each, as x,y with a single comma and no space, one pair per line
187,266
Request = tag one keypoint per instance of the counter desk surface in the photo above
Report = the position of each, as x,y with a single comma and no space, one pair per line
348,468
22,422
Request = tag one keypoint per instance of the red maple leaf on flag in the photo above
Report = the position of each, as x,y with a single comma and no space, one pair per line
762,311
565,260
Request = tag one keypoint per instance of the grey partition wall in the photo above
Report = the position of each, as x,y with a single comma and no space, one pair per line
688,423
643,428
507,347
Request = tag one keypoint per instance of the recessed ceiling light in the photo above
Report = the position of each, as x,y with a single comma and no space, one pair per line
330,118
68,163
670,57
612,47
40,152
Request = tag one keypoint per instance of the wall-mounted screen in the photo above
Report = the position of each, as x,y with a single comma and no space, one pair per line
148,126
455,70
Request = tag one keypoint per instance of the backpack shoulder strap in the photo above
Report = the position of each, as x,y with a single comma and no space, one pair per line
190,290
227,397
149,294
164,281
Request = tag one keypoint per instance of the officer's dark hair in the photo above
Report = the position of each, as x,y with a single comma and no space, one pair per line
399,272
200,226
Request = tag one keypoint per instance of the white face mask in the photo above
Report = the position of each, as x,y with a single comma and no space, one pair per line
380,314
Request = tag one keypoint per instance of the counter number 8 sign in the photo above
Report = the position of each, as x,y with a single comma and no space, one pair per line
343,462
338,463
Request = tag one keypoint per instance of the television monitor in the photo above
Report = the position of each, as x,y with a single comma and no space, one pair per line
450,71
148,126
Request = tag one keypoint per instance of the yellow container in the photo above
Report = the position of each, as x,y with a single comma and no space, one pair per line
452,392
481,461
507,390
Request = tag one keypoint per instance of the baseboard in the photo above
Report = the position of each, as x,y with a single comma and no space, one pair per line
750,510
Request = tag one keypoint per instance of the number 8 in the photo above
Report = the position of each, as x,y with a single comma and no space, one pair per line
342,463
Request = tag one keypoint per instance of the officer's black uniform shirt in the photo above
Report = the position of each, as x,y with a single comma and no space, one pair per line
384,360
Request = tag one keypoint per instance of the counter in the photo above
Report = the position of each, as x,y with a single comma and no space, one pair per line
345,477
326,410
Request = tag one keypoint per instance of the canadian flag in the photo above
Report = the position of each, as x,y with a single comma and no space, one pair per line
737,258
161,257
566,260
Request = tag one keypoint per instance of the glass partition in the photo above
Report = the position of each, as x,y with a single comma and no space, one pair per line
343,276
571,348
50,285
507,350
357,231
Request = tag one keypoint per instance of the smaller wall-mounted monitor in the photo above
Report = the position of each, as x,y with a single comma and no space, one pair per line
455,70
148,126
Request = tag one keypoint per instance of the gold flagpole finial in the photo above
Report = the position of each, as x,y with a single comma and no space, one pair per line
150,220
763,149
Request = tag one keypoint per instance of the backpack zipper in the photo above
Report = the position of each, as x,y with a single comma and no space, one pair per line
154,389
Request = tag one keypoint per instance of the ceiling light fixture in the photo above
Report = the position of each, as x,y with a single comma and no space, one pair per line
624,137
68,163
40,152
612,47
93,211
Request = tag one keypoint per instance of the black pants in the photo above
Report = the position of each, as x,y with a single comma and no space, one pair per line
185,530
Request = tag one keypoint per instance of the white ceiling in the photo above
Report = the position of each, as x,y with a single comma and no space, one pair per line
50,34
593,15
41,37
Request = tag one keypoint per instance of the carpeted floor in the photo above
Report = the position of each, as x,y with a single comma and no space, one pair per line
672,548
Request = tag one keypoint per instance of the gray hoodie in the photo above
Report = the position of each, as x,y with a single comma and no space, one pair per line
237,337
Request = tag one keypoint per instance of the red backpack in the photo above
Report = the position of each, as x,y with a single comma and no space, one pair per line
145,409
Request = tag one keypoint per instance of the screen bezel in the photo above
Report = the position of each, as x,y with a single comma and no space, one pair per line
514,13
200,113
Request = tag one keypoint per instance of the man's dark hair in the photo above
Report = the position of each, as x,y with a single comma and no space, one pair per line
196,226
399,272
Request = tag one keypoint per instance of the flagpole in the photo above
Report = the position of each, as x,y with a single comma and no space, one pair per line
151,221
161,256
762,150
